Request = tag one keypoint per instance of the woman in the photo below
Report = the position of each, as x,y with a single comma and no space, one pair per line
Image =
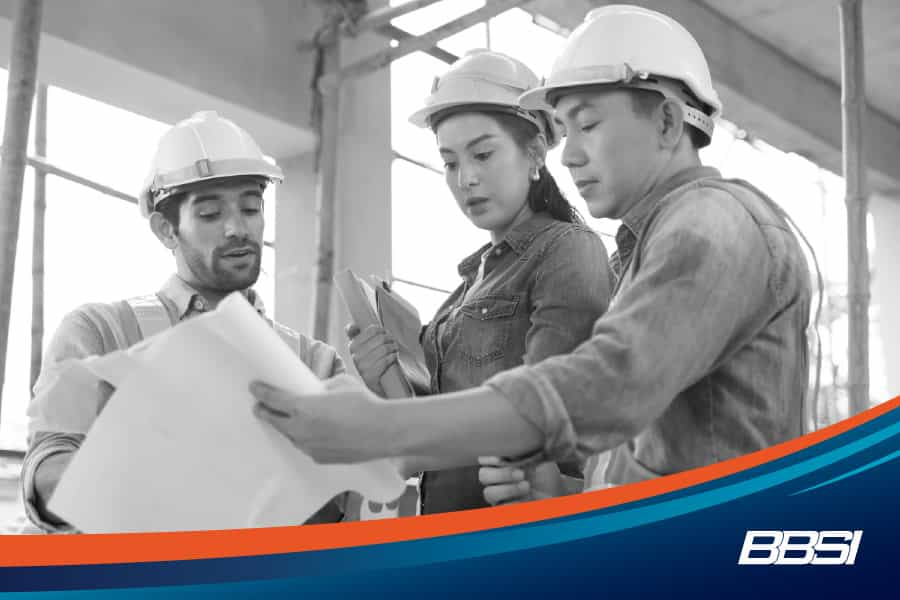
535,289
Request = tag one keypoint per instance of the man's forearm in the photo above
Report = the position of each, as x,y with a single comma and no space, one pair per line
449,430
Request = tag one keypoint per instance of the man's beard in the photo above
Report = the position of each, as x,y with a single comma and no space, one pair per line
217,275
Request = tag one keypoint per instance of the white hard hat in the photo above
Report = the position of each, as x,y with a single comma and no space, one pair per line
484,80
202,147
635,47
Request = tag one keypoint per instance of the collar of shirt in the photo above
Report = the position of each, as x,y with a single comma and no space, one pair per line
633,222
187,300
635,218
518,240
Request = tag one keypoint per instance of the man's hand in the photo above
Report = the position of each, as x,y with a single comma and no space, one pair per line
372,351
345,424
508,484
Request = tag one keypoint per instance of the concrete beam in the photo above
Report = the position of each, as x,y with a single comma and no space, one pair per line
238,57
765,91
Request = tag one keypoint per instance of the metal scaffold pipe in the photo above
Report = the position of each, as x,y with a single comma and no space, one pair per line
420,43
23,61
41,165
435,51
37,245
383,16
328,120
853,104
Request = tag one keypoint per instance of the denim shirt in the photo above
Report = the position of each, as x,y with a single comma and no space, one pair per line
702,355
540,290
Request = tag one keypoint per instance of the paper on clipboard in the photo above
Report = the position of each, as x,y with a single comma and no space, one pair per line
401,320
379,305
178,448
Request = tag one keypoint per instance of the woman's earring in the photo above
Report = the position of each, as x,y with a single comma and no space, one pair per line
535,175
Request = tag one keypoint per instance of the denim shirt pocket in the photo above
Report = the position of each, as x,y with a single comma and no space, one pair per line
486,324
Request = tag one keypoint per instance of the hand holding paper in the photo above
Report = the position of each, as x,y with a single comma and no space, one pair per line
178,447
329,430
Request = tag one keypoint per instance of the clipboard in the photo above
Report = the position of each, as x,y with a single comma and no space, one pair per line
401,320
379,305
362,302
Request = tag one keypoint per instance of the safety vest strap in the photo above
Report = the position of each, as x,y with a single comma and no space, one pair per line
151,314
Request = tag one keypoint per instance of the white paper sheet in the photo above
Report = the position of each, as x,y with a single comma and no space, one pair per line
178,447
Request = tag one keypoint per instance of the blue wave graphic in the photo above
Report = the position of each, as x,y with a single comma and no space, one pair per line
685,543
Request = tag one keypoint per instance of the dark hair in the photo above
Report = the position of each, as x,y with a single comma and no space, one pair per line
644,102
544,194
170,208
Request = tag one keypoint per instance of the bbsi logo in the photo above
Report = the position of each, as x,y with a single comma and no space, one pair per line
800,547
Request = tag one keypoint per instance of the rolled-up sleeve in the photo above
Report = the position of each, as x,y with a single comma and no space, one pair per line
43,446
701,285
323,360
56,420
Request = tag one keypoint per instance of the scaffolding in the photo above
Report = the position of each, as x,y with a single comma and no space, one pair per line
329,83
22,82
328,87
853,104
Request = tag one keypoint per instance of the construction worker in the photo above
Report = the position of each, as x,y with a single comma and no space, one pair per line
203,199
702,355
534,290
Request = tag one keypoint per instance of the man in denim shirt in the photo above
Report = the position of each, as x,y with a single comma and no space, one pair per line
702,355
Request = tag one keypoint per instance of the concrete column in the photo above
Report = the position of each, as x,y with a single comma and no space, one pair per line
363,222
886,286
295,213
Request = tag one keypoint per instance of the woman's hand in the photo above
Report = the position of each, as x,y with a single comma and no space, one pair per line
344,424
508,485
373,351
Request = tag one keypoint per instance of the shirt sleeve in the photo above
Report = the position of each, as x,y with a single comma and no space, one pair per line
321,358
572,288
76,338
701,287
571,291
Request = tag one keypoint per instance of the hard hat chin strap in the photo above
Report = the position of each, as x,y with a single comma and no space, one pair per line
692,116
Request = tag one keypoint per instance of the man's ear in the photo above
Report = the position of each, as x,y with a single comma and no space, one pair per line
670,122
163,230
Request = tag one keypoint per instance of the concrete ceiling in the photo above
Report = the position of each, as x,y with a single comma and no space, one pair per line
775,64
167,59
809,32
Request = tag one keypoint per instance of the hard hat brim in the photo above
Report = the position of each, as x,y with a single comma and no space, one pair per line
152,192
537,99
422,117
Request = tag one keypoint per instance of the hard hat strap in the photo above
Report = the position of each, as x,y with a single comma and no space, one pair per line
693,116
623,76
